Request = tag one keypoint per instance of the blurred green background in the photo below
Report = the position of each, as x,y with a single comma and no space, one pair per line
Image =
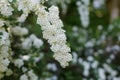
95,48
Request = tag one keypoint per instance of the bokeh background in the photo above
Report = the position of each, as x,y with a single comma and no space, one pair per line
93,33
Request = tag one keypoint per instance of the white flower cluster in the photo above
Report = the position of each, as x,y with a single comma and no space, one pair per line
51,66
92,63
98,3
18,63
52,31
27,74
27,6
32,41
30,75
4,52
5,8
1,23
19,31
83,9
51,26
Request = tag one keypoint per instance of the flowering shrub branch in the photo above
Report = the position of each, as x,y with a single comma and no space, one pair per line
51,26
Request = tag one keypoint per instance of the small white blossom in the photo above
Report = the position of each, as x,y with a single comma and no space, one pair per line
26,44
94,64
98,3
75,57
18,63
32,75
36,41
4,51
86,68
52,66
19,31
101,73
24,69
2,22
32,41
5,8
24,77
84,12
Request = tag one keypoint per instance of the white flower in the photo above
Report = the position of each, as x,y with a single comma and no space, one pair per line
2,22
89,44
86,2
52,66
5,8
25,57
23,17
84,12
116,78
98,3
75,57
101,73
24,69
32,41
116,48
94,64
54,77
18,63
19,31
51,26
63,58
32,76
4,51
3,68
26,44
86,66
24,77
109,70
90,58
52,31
5,62
36,41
